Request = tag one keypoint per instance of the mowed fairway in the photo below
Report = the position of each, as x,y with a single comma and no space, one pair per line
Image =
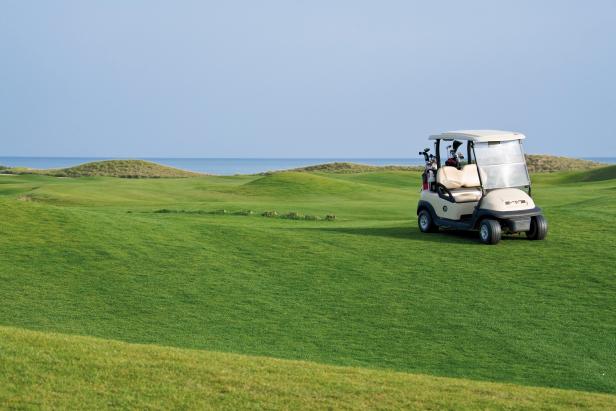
46,370
92,257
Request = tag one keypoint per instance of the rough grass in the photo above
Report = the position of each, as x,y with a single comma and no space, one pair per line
54,371
114,168
365,290
346,167
538,163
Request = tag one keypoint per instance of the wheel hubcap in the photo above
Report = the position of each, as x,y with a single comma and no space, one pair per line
423,221
484,232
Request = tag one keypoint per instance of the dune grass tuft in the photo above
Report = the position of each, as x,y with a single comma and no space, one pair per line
112,168
543,163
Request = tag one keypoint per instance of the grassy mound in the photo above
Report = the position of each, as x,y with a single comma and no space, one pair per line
345,167
294,183
55,371
115,168
543,163
125,169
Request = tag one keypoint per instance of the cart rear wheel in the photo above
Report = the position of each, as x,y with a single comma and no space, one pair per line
490,231
538,228
425,222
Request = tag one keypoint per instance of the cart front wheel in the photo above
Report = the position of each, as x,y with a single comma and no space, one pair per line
490,231
425,222
538,228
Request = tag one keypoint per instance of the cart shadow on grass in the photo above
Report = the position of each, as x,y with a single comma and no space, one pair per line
413,233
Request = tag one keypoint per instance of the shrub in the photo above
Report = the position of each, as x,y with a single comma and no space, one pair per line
164,211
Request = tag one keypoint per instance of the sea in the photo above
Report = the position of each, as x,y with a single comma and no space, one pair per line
225,166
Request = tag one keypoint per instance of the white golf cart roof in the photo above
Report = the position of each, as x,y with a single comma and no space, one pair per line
480,136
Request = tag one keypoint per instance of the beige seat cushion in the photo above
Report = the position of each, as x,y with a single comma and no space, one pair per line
470,176
450,177
463,195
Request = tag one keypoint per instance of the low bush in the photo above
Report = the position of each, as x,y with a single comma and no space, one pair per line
164,211
293,215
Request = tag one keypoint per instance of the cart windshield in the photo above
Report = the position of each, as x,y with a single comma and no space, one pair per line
501,164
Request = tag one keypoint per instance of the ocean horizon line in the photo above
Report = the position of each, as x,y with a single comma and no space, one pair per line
265,158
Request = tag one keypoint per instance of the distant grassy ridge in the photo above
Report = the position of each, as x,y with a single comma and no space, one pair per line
147,169
347,167
49,370
536,164
111,168
539,163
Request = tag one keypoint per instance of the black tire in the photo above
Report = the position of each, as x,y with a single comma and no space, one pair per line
538,228
425,222
490,231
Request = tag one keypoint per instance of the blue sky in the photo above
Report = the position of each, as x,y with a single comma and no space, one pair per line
302,78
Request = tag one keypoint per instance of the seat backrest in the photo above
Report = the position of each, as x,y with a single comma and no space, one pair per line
470,176
450,177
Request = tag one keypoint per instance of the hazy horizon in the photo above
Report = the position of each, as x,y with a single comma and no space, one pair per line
279,79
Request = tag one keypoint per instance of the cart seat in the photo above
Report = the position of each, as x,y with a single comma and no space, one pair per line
450,177
470,176
463,184
465,195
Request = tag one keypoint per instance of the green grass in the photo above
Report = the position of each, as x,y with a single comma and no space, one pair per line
90,256
54,371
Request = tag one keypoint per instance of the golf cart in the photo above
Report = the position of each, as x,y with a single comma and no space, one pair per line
490,192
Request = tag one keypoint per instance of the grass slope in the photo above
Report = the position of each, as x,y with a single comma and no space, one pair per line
598,174
54,371
90,256
114,168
